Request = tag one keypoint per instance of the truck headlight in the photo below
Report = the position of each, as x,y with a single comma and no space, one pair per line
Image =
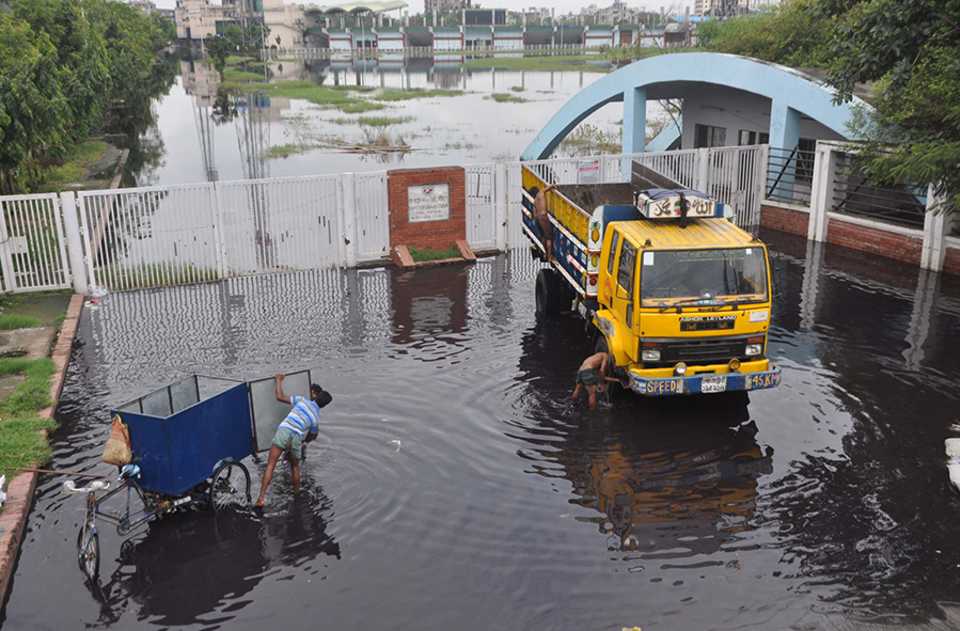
650,354
752,350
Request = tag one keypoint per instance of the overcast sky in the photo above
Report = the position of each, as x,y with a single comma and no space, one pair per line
562,6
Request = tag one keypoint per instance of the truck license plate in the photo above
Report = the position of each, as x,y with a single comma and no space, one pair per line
717,383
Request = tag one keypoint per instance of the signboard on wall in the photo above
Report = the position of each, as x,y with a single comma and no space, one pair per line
428,203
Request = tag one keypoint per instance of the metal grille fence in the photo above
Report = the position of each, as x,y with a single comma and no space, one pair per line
32,249
790,175
177,235
855,195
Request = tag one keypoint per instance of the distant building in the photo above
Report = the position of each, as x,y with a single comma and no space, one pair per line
441,6
485,17
199,19
722,8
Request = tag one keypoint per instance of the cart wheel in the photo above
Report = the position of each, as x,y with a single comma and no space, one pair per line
230,486
88,553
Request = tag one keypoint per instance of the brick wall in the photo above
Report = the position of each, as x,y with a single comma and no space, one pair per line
875,241
951,261
436,235
784,219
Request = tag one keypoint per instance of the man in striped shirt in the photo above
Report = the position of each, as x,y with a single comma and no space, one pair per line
300,426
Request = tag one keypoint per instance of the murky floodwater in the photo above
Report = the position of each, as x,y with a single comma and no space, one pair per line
194,142
454,487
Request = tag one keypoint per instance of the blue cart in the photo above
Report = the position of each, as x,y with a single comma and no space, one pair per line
188,440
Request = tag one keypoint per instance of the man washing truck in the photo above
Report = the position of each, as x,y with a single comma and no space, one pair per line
676,293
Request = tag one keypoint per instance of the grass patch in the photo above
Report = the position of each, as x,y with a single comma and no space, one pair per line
502,97
74,169
393,94
33,394
518,88
383,121
240,60
10,321
421,255
285,151
236,75
325,96
595,63
22,444
45,308
589,139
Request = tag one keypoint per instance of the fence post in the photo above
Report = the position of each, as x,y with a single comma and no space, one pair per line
822,191
702,179
501,193
934,233
349,187
74,238
219,228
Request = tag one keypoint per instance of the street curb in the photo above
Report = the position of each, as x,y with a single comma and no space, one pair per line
20,492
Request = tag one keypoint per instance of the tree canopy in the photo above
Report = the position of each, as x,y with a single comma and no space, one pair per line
908,51
69,68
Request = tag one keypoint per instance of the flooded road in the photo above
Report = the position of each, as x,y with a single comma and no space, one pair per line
272,136
454,487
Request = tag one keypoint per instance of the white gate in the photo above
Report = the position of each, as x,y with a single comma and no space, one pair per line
481,194
280,224
33,253
736,176
150,237
369,192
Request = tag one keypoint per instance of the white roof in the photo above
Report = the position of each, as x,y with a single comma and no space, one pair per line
373,6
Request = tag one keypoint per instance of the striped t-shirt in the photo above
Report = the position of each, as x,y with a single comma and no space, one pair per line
304,417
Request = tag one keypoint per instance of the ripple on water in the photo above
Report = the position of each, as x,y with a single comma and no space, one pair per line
454,483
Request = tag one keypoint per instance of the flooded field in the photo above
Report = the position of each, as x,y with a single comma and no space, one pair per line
482,115
453,485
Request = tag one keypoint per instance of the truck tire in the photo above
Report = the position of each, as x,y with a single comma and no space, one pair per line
553,294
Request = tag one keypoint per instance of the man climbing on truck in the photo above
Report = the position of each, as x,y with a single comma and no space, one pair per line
300,426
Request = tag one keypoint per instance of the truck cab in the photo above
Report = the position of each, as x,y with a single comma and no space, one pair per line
684,308
675,291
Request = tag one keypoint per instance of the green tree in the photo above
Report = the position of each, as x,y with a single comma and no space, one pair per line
35,117
910,51
218,49
794,33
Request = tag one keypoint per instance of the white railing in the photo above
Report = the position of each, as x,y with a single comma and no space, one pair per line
32,248
177,235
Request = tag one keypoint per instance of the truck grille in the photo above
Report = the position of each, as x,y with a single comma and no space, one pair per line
703,351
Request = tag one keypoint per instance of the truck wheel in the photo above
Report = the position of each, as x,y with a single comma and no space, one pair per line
553,294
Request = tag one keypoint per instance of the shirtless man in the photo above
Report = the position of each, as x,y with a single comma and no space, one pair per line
542,217
592,377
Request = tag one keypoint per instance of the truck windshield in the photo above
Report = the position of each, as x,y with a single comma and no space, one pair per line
727,275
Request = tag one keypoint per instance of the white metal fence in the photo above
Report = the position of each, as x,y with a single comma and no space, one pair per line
175,235
32,248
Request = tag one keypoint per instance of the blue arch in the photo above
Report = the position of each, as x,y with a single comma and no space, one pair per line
790,91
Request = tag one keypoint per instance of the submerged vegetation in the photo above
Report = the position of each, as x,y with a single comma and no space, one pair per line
394,94
591,140
502,97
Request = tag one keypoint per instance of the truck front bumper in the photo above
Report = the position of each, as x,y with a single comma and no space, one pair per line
705,383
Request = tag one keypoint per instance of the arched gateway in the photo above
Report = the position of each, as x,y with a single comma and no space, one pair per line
736,92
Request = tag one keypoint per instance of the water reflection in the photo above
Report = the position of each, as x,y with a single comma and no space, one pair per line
222,557
297,137
469,493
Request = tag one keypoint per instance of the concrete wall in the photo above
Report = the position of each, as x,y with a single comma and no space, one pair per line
735,110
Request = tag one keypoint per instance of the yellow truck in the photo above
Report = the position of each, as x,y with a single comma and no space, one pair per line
679,295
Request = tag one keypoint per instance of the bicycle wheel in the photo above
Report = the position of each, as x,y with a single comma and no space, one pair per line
88,553
229,487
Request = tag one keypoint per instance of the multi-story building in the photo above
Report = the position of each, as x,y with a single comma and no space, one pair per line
441,6
198,19
727,7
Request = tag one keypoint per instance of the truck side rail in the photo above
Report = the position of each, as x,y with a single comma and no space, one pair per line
569,252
